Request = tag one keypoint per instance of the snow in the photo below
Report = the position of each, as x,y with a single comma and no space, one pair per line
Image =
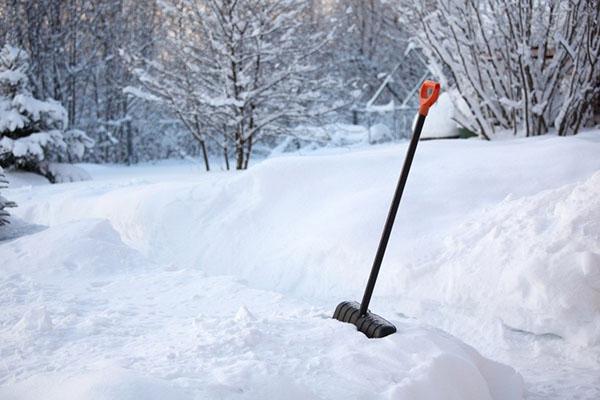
50,110
176,333
18,179
380,108
332,136
12,77
379,133
222,285
63,172
552,287
140,93
439,122
10,118
77,141
106,383
32,145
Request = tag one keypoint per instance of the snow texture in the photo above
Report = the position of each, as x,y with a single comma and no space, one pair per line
175,333
62,172
380,133
550,287
222,285
439,122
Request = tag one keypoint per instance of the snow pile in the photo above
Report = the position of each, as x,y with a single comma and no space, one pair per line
62,172
533,261
108,383
308,227
295,358
17,179
439,122
380,133
72,250
88,320
35,320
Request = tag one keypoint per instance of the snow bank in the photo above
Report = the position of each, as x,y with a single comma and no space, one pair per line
310,225
533,261
63,172
83,248
269,360
380,133
167,349
439,122
520,218
109,383
85,320
17,179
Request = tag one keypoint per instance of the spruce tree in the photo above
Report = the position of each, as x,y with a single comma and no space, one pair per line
4,203
33,132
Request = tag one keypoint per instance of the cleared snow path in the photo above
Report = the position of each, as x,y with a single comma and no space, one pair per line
222,284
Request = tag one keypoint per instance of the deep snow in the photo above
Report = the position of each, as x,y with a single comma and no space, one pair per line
165,279
90,318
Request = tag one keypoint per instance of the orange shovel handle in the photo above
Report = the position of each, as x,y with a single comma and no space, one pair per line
429,93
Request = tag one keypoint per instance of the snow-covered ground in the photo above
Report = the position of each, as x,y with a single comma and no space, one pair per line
166,282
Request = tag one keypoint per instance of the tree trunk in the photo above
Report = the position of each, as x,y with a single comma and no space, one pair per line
129,135
205,155
248,152
226,156
239,154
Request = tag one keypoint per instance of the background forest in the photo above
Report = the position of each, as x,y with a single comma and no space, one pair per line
152,79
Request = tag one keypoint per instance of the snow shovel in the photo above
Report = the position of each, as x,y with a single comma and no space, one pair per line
372,325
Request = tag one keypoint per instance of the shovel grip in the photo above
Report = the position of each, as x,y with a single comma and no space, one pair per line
428,95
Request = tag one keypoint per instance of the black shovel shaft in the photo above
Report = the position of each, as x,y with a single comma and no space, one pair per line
389,222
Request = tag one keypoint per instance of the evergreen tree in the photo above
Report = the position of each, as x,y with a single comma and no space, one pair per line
33,132
3,202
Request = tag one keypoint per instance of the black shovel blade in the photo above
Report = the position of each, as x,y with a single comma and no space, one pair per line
372,325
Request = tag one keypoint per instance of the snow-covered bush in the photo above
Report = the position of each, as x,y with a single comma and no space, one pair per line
33,132
520,66
4,203
62,172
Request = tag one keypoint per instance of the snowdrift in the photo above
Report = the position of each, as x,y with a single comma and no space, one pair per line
90,319
223,284
533,261
309,225
87,248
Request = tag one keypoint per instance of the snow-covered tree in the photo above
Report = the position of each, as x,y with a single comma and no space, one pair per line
73,48
237,70
33,132
523,66
4,203
369,43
